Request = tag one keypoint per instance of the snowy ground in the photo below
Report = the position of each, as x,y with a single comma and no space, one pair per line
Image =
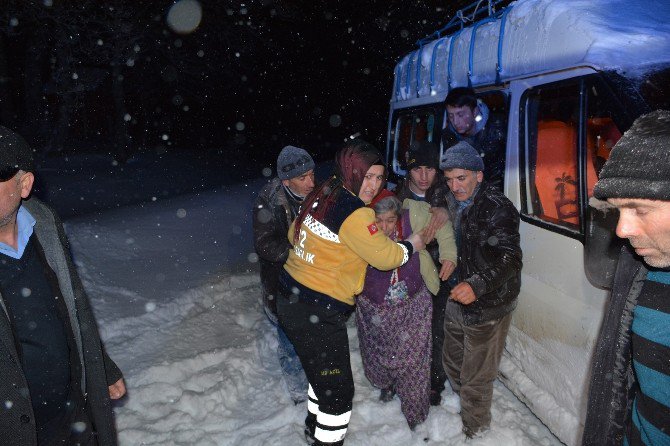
175,288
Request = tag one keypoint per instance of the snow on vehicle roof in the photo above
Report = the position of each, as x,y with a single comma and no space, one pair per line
540,36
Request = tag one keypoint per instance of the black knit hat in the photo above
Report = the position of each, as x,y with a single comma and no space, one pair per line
639,163
462,156
15,153
423,153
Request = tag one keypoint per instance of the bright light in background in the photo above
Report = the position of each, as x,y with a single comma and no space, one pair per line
184,16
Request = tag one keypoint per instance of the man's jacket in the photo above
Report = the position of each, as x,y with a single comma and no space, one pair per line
613,382
273,213
17,421
489,256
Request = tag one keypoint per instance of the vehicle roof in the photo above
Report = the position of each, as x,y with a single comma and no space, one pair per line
539,36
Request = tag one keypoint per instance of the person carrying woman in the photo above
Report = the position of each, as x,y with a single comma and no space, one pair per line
393,313
334,239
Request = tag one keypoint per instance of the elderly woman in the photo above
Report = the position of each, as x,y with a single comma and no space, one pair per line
394,311
334,239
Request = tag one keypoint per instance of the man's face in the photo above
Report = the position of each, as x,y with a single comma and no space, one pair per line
421,178
302,185
646,225
462,183
387,222
372,183
463,119
11,193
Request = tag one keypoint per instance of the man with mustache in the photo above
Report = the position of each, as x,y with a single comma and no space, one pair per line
629,396
479,310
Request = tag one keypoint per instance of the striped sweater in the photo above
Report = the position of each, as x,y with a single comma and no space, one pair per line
651,362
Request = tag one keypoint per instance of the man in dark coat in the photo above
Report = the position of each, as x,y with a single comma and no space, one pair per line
56,380
479,310
629,395
470,121
274,210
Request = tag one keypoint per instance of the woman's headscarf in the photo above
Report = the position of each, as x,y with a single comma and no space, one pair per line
352,162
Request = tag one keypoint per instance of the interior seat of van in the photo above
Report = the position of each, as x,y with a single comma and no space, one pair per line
556,178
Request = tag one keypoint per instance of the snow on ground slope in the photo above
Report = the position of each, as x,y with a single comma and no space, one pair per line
176,292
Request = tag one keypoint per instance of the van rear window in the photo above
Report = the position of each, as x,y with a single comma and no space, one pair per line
411,126
570,128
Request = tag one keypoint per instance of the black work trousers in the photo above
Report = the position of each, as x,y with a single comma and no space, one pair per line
319,336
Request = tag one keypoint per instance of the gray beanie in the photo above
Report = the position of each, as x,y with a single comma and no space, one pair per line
638,165
15,153
461,156
293,162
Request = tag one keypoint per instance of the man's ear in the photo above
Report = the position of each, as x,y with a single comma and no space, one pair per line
285,183
480,176
26,182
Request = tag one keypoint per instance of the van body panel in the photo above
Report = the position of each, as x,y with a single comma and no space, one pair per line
556,325
530,47
538,36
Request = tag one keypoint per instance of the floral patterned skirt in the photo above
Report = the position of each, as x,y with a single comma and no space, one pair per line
395,343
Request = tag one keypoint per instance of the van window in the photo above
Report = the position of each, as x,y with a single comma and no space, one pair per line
602,128
654,87
552,142
411,126
568,131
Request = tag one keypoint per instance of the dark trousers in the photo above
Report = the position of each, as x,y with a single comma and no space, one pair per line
437,373
471,358
319,336
74,428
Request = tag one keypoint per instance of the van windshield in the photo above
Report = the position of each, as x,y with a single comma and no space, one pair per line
643,94
655,89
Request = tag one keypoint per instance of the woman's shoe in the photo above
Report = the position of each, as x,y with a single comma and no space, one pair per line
387,394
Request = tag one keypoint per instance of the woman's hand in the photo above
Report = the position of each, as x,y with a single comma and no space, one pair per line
447,268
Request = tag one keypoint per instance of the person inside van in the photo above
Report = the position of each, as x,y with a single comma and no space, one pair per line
469,120
424,184
479,310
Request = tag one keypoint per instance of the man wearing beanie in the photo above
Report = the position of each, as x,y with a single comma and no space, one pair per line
55,378
422,164
629,399
479,310
274,210
424,184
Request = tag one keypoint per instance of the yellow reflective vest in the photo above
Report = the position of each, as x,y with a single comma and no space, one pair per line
331,256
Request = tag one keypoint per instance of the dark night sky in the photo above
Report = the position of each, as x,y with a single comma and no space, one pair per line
324,70
252,77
